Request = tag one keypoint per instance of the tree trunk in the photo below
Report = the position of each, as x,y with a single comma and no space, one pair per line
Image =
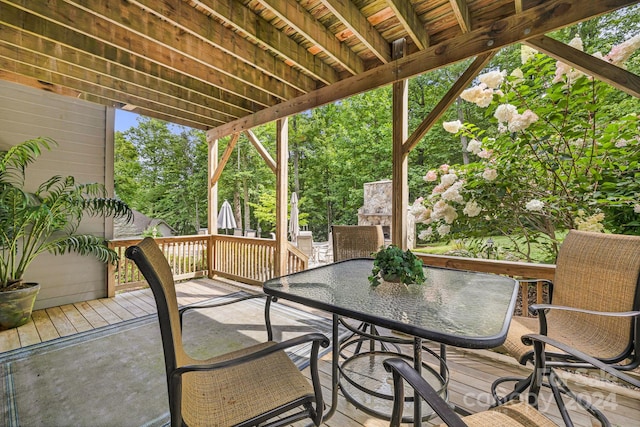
463,138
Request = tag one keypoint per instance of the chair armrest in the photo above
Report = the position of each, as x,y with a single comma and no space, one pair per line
231,300
317,339
401,369
536,308
542,309
539,342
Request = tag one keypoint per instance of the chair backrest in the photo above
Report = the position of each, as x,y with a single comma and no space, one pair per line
156,270
601,272
356,241
305,244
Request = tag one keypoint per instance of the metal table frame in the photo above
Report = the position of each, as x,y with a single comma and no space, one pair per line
323,288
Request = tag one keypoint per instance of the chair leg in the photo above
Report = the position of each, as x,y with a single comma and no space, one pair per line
521,385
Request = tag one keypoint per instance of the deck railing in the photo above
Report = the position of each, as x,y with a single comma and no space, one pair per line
248,260
251,261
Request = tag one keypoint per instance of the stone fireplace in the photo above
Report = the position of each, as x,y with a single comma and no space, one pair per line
377,209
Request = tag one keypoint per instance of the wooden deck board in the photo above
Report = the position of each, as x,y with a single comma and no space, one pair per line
76,318
90,314
472,372
44,325
28,335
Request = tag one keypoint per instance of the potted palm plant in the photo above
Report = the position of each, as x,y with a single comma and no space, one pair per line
45,220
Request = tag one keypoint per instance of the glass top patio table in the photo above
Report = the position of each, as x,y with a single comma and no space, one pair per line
454,307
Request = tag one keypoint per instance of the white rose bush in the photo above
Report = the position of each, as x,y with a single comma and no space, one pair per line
554,156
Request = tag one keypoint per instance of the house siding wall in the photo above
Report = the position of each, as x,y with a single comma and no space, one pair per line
84,132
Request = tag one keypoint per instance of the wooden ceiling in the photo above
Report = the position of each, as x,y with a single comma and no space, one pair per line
229,65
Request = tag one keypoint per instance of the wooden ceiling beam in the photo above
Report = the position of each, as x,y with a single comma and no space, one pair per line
48,72
80,21
357,23
461,12
262,150
600,69
532,22
295,16
209,31
42,29
147,30
411,22
98,71
236,15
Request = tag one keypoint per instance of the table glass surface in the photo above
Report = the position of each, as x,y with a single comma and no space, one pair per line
455,307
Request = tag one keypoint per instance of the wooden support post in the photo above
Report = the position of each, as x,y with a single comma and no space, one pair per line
400,191
282,178
212,218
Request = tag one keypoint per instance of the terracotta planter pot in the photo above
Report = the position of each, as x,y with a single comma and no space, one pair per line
16,306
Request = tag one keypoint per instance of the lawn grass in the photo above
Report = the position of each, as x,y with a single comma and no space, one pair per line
501,246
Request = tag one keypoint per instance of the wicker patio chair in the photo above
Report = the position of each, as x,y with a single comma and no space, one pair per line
241,388
508,414
595,292
356,241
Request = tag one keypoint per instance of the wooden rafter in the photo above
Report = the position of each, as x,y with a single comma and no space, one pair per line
211,33
353,19
242,19
461,12
304,23
163,40
411,22
224,159
262,151
602,70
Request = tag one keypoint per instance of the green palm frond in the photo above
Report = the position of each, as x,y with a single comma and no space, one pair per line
14,160
84,244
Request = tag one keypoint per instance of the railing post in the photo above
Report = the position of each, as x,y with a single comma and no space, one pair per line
111,275
211,255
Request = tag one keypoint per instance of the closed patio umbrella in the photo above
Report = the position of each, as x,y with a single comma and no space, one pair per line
294,227
225,217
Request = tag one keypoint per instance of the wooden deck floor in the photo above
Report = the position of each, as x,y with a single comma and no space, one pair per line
471,372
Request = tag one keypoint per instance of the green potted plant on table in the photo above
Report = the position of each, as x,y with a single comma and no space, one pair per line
392,264
45,220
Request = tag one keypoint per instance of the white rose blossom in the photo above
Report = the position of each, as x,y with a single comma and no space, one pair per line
492,79
490,174
522,121
443,230
472,209
474,146
431,176
452,194
526,53
534,205
452,127
620,53
448,179
480,95
505,112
